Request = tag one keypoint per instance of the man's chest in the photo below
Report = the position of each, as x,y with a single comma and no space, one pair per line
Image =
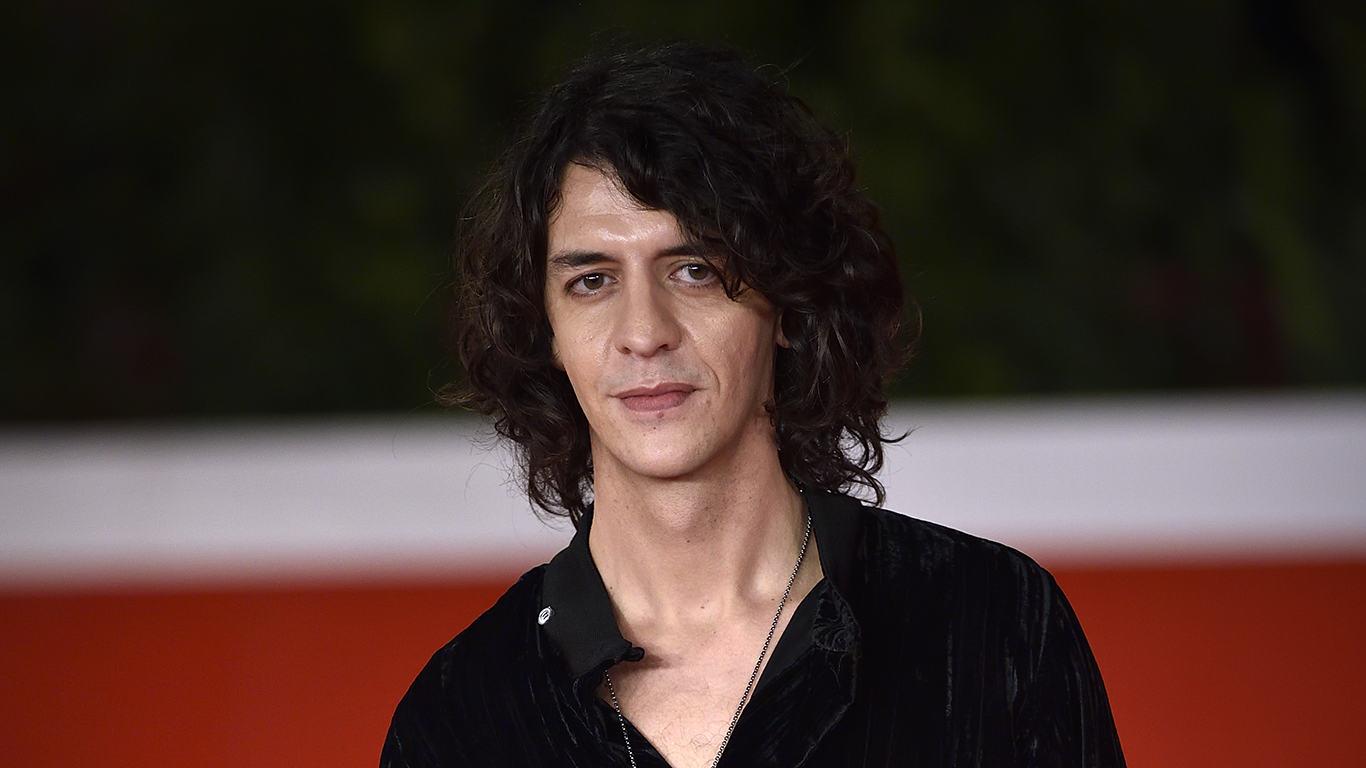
685,704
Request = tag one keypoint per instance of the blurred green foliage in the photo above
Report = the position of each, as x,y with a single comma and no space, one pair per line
218,209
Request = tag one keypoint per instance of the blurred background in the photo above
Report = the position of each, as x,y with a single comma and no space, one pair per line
224,233
247,209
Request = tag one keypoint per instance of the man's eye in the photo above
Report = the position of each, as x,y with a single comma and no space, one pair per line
697,273
590,282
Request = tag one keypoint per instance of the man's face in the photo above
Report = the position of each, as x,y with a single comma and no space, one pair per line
672,373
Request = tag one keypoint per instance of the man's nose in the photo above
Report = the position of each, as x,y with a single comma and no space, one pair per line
646,320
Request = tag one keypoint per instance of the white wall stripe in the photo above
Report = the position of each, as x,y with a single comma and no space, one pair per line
1105,479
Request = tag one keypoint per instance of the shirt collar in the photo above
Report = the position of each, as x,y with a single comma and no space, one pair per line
577,614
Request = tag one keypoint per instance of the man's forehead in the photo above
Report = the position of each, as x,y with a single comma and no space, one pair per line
595,212
583,186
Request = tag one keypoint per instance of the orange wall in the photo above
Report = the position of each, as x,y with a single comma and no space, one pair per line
1231,666
1257,665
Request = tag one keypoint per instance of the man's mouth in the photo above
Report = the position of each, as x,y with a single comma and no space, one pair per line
657,398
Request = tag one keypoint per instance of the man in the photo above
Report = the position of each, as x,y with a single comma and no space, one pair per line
682,311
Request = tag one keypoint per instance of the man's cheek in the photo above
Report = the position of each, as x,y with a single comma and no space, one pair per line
555,352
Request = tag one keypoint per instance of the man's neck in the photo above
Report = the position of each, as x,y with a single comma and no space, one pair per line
683,553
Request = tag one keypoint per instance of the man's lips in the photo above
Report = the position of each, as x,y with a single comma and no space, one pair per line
657,398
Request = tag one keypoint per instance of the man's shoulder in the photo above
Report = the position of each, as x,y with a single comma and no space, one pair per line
459,703
486,650
897,534
895,545
459,697
956,584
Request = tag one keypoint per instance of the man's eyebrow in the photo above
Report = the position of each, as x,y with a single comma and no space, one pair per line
565,260
576,259
683,249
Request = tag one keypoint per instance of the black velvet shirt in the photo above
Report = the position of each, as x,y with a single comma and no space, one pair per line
923,646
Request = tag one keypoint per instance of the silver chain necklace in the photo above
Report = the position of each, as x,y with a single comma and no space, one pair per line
753,676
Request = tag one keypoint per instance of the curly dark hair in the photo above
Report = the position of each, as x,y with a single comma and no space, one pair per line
753,177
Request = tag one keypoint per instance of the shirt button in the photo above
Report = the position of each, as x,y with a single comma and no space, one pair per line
545,615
